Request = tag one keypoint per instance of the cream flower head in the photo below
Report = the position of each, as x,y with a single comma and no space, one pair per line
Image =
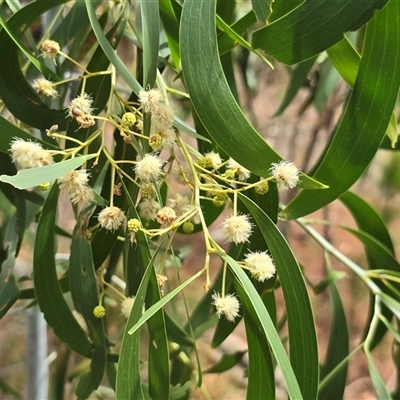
237,229
148,168
45,87
228,306
111,218
261,265
241,172
29,154
286,174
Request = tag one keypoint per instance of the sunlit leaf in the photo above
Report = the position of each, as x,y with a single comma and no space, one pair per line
27,178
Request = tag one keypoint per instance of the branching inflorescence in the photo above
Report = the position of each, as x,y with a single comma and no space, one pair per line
163,158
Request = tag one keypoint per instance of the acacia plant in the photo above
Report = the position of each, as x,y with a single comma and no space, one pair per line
149,148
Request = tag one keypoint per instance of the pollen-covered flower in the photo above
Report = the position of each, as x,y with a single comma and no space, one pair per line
237,229
228,306
126,306
50,49
111,218
29,154
181,204
45,87
260,265
85,195
241,172
214,158
166,216
162,117
75,184
150,100
163,138
74,180
148,209
286,174
148,168
161,279
85,121
80,106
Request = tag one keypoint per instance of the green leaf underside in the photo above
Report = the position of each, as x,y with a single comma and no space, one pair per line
211,97
302,335
48,292
27,178
366,116
312,28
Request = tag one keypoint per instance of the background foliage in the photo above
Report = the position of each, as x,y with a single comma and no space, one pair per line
193,52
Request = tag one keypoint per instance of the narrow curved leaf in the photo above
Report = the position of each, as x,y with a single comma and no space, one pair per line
262,9
298,77
211,97
257,311
56,311
302,335
365,118
158,362
261,377
367,218
381,391
27,178
346,60
312,28
338,349
83,286
171,27
9,292
150,36
115,60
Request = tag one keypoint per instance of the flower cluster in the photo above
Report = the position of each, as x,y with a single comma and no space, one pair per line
162,133
75,183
